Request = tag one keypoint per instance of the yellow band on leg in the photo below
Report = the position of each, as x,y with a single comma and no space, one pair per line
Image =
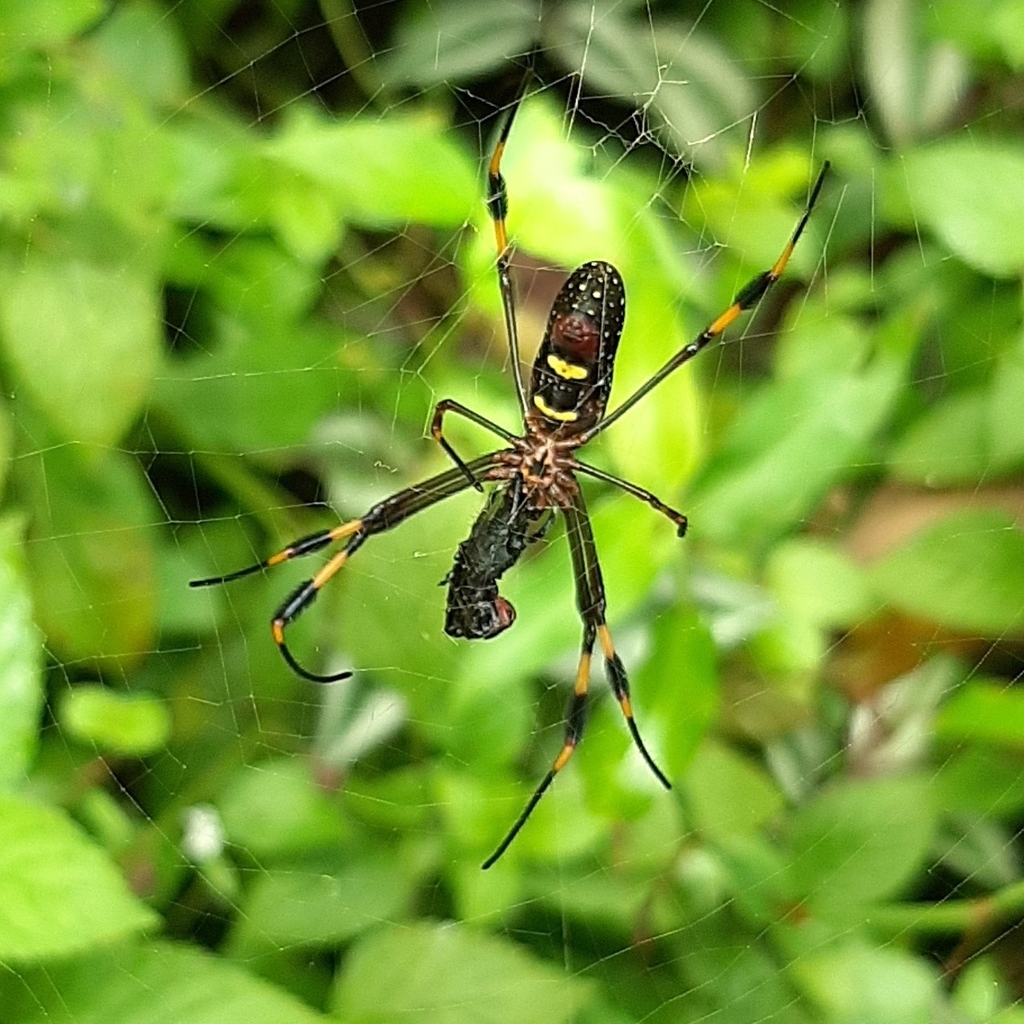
329,569
563,757
582,675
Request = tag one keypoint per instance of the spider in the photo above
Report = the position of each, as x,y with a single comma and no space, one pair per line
536,474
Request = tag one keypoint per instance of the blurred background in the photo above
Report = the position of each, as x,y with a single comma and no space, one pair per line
244,252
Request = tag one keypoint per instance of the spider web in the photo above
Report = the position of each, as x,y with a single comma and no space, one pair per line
246,253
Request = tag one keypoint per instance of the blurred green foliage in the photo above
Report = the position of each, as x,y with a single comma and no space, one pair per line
243,252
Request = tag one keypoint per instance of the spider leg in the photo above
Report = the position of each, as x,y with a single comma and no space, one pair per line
298,548
575,719
746,298
591,603
590,600
638,492
437,431
382,516
620,687
302,597
497,207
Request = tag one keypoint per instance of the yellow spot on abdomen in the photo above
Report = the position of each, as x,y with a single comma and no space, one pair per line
554,414
570,371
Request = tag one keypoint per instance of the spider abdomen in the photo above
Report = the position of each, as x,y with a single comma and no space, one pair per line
572,374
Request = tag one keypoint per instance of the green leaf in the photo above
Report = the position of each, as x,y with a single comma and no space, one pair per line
399,800
796,437
6,441
818,37
793,441
754,874
140,45
982,991
83,339
728,793
1003,419
285,908
306,220
979,849
263,388
790,647
947,445
275,809
981,780
988,29
255,282
562,828
818,582
661,440
391,610
799,351
222,177
702,94
983,710
914,85
25,24
157,984
679,683
965,572
59,894
861,841
133,724
91,552
753,211
694,87
860,983
440,974
21,678
484,729
978,212
1007,26
735,975
384,173
92,163
449,40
